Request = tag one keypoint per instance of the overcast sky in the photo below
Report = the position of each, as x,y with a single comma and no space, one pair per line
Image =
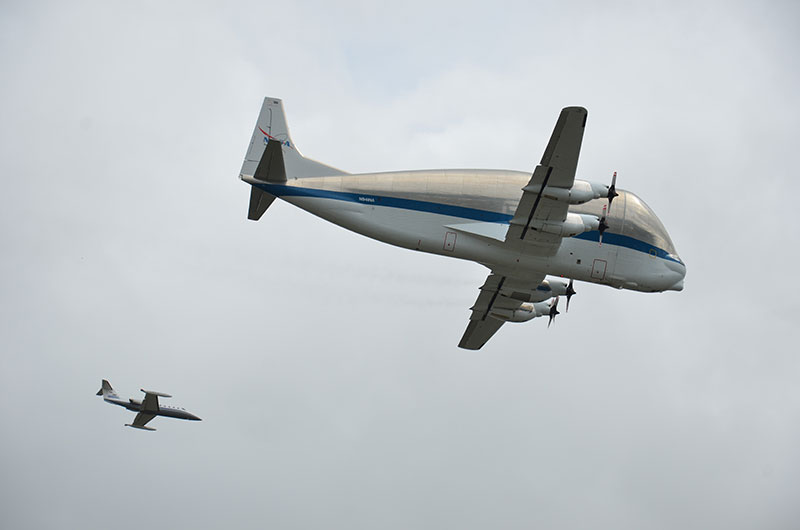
324,364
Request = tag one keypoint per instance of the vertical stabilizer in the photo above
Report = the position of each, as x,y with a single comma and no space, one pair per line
271,127
106,390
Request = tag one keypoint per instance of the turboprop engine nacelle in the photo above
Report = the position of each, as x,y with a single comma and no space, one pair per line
581,191
544,291
574,224
548,289
524,313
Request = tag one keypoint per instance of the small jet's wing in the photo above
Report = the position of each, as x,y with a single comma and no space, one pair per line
556,170
141,420
150,403
499,293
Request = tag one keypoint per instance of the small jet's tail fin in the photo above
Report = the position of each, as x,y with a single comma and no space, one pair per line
271,127
106,390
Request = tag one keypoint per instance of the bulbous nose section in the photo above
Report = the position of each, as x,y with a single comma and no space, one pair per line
678,273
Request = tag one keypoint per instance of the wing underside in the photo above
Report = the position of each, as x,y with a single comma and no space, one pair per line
499,295
141,420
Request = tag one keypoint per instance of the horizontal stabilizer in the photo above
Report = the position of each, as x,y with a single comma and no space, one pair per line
142,427
270,167
159,394
259,202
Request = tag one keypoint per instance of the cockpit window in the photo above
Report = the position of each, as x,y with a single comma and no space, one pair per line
631,217
642,223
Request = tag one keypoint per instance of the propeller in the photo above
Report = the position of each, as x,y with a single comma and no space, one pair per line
569,293
553,311
612,190
603,223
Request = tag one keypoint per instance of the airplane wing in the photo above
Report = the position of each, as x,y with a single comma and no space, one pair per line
498,294
141,420
504,294
150,403
556,170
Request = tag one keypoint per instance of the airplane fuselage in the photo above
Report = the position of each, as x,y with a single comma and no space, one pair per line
136,406
465,214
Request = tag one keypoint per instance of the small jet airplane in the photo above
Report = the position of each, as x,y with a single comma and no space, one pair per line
147,409
522,227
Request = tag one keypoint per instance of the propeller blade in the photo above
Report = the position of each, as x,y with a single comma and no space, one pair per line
570,292
553,311
612,190
603,224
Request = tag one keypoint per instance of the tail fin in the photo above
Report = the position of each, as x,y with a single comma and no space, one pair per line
271,126
106,390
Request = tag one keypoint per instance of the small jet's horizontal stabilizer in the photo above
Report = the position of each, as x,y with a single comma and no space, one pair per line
142,427
159,394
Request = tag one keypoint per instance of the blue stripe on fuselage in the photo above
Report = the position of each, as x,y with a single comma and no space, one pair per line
627,242
281,190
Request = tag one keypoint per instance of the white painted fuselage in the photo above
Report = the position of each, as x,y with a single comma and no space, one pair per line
522,226
465,214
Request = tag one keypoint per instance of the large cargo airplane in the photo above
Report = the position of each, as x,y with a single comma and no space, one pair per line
522,227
